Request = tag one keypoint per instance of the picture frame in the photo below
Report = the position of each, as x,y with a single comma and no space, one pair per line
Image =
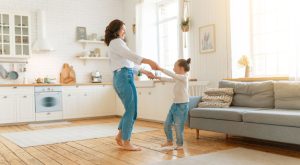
81,33
207,43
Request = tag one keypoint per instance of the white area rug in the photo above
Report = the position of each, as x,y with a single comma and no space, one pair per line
236,156
60,135
37,125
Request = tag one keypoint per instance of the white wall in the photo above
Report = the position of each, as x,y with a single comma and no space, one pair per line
62,18
213,66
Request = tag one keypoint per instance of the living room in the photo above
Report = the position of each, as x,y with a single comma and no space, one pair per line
149,82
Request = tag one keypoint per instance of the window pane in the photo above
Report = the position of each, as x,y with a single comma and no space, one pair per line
5,19
26,50
5,39
24,21
25,31
168,43
18,20
18,31
167,9
5,29
18,50
6,49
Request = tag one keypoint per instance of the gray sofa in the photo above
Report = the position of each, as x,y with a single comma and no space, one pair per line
263,110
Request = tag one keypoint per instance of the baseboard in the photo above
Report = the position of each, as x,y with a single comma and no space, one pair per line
147,120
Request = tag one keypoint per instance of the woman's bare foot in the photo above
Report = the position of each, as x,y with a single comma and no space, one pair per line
129,147
167,144
119,138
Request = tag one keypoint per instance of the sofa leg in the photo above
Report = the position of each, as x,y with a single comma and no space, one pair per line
227,136
197,134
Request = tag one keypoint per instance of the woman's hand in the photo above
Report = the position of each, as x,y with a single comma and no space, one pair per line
150,75
152,64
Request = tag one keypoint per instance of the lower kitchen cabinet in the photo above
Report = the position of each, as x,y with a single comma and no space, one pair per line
88,101
17,104
26,107
153,102
8,109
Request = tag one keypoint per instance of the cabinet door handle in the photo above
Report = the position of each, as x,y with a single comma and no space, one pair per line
15,87
149,93
5,97
48,113
69,94
24,96
85,94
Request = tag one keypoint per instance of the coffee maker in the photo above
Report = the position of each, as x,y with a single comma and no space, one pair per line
96,77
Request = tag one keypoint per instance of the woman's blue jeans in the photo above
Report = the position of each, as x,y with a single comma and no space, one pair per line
124,86
177,117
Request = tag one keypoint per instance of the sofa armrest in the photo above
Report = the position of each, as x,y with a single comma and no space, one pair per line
194,101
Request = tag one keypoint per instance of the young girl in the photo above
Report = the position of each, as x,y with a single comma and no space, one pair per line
179,109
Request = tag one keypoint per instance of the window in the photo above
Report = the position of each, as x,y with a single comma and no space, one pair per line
168,30
266,31
157,31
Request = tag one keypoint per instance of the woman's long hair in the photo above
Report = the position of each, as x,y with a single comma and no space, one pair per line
111,31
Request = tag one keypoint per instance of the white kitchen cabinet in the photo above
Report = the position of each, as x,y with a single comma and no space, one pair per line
88,101
15,30
105,101
26,107
70,104
17,104
8,108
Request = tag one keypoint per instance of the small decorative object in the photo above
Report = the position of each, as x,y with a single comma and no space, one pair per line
207,39
81,33
67,75
92,53
97,52
244,62
133,28
185,25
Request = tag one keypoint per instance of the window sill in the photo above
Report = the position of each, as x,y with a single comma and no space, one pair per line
252,79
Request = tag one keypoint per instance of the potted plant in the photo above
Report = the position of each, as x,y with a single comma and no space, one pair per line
185,25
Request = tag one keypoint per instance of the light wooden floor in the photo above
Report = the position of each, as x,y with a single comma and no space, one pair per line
105,151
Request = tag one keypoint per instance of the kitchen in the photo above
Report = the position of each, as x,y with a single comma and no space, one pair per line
30,84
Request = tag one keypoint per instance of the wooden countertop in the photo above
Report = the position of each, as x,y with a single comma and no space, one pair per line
43,84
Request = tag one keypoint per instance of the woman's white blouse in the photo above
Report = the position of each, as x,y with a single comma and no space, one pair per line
121,56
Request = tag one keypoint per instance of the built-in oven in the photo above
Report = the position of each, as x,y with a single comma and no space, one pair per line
48,102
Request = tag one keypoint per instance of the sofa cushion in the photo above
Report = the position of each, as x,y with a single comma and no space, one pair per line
251,94
273,117
231,113
287,95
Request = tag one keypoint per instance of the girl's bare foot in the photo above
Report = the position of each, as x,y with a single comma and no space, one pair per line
119,138
179,148
129,147
167,144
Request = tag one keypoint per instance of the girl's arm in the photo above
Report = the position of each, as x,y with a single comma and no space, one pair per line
173,75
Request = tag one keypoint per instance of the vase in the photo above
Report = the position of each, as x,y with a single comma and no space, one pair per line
247,71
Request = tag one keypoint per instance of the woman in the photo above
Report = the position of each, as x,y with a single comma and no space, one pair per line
122,61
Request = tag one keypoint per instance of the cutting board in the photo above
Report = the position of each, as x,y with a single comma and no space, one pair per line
67,75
